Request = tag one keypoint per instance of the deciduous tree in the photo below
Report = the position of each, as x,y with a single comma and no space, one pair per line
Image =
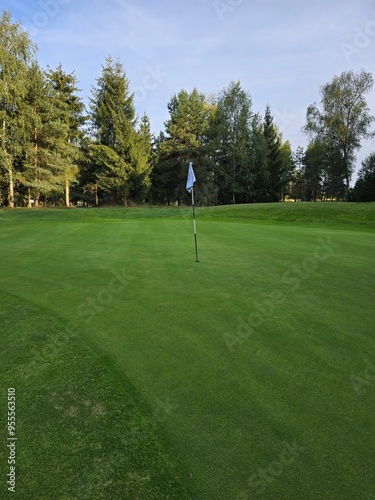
16,53
342,122
234,117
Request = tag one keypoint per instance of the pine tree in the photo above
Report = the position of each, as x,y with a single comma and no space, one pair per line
364,189
183,141
163,184
142,161
42,173
314,162
113,121
69,109
258,163
274,158
53,124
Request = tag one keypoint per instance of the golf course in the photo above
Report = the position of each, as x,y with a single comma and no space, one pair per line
141,374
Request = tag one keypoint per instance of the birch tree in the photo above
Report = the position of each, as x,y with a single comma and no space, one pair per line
16,53
342,121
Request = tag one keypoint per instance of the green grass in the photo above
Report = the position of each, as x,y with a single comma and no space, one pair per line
354,215
186,380
79,433
342,215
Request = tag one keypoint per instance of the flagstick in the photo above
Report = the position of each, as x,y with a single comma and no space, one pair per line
195,225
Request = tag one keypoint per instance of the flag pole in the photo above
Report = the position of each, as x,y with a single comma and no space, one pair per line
195,225
190,188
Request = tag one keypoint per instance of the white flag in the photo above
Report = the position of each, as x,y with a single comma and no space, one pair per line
191,178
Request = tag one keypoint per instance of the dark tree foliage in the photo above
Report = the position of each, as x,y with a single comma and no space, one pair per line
184,140
364,189
274,160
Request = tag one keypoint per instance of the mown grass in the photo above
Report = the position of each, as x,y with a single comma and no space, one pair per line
340,215
264,346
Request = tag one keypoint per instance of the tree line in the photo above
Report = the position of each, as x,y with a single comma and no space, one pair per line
54,151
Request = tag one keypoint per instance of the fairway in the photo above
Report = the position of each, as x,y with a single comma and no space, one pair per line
142,374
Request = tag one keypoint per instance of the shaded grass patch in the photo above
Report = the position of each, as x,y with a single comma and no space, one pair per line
79,432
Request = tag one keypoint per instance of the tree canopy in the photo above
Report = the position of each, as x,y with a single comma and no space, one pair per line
54,151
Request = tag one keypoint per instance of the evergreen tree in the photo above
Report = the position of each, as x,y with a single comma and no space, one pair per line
88,188
275,165
163,178
287,166
364,189
113,120
257,164
69,109
183,141
314,161
142,161
43,169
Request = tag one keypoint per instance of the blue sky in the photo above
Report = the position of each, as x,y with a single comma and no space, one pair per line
282,51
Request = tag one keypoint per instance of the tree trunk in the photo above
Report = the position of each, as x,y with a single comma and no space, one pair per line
347,173
36,153
9,168
29,205
67,192
96,195
11,185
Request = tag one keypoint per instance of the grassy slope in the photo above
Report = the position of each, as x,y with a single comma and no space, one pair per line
343,215
340,215
221,415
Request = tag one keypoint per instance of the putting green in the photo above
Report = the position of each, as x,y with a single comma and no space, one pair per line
255,367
